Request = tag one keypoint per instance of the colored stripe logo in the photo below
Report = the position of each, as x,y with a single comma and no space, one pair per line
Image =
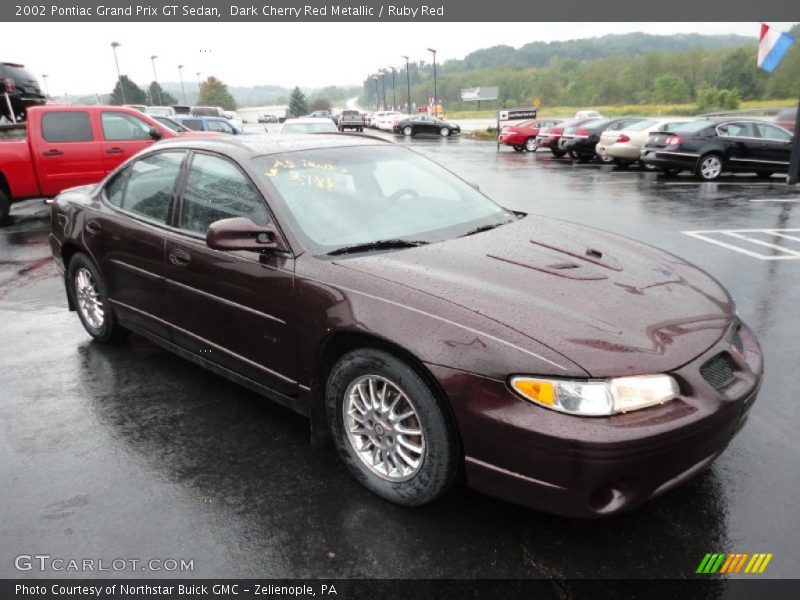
734,562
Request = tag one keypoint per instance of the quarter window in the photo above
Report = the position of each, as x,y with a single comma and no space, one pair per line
118,126
67,126
150,184
115,189
216,189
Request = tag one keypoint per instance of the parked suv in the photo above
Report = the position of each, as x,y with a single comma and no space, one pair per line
22,89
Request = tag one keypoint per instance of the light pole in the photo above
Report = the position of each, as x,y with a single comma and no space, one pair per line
155,79
408,87
116,45
377,100
383,88
198,85
180,76
394,93
432,51
46,85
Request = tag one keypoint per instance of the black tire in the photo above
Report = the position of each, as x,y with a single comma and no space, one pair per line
444,132
519,148
584,158
558,153
764,174
621,163
5,208
703,169
110,330
439,463
408,131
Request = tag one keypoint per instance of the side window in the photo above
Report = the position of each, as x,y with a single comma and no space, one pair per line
737,130
216,189
116,187
776,134
194,124
67,126
150,183
118,126
220,126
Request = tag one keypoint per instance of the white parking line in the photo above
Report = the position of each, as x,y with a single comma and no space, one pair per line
749,244
775,200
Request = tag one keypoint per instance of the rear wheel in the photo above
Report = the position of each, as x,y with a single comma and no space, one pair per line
557,153
519,148
709,167
530,144
5,208
89,295
444,132
390,429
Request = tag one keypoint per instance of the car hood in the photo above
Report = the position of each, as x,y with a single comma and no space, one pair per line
612,305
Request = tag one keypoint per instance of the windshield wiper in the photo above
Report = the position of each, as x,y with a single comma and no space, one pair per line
377,245
483,228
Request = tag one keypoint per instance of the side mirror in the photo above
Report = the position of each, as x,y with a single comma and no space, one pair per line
239,233
155,133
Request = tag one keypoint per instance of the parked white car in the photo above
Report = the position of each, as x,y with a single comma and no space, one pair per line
309,125
588,114
625,146
234,118
385,120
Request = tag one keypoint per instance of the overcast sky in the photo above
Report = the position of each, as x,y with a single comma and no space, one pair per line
77,57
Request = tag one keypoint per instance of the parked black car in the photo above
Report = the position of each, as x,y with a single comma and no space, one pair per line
22,88
580,140
709,148
426,124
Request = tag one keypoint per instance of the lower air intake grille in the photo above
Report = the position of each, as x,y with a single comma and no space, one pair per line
719,371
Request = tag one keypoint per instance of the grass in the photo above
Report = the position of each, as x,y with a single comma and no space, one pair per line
617,110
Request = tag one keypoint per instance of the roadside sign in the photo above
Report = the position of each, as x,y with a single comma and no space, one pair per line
537,102
422,108
516,114
477,94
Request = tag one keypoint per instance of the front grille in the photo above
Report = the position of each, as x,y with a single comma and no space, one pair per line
718,371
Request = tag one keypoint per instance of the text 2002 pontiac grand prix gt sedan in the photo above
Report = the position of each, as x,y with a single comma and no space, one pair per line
423,326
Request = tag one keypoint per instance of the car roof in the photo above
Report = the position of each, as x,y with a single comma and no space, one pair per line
309,120
262,144
199,117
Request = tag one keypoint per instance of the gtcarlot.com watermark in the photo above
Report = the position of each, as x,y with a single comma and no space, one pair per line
45,563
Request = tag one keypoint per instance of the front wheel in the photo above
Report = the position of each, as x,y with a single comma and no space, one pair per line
709,167
390,429
444,132
89,295
557,153
408,131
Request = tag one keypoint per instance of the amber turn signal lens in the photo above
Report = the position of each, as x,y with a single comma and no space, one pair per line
540,391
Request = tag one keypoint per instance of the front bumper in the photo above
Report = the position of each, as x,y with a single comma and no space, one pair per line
590,467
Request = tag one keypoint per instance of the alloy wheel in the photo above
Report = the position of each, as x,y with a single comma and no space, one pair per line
383,428
711,167
88,297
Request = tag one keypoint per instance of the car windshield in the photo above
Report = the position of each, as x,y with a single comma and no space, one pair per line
308,127
340,197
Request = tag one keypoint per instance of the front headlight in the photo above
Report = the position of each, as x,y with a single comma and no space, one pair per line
597,398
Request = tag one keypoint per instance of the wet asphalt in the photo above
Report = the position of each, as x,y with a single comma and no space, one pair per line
131,452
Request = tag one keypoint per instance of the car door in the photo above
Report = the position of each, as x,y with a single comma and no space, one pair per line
234,308
67,152
127,240
123,136
776,145
741,144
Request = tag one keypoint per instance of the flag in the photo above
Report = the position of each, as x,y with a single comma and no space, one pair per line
772,45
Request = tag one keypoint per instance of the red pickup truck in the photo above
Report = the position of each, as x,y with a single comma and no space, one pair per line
66,146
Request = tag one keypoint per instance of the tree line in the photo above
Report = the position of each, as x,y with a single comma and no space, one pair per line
604,71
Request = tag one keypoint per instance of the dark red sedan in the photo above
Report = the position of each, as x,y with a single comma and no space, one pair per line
522,136
423,327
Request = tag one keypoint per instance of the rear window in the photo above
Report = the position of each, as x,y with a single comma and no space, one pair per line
640,125
349,113
692,127
67,126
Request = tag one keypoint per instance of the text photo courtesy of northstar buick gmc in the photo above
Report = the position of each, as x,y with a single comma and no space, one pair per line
425,328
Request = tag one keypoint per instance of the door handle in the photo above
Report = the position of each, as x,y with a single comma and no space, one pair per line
179,258
92,227
53,152
115,150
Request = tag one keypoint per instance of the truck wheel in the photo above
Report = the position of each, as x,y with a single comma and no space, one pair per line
5,208
89,294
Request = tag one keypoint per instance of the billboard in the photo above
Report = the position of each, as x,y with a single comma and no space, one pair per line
477,94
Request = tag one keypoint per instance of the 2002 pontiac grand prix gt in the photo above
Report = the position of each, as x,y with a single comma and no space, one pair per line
421,325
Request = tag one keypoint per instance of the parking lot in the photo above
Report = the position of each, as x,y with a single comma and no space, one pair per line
131,451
